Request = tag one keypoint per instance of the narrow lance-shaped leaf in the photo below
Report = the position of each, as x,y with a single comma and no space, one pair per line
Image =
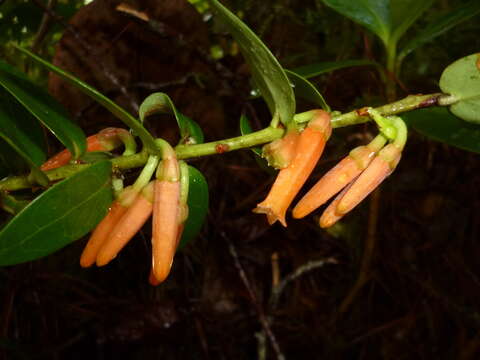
462,80
312,70
306,90
43,107
197,206
115,109
440,125
20,130
267,73
441,25
159,102
62,214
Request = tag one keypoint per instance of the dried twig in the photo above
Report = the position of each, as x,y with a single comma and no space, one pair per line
301,270
261,314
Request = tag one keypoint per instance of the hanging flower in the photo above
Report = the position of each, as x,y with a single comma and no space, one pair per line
308,150
338,177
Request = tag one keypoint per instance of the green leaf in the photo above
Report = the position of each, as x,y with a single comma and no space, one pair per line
197,206
20,130
44,107
462,80
441,25
404,13
373,14
10,161
62,214
190,131
306,90
267,73
108,104
312,70
388,19
440,125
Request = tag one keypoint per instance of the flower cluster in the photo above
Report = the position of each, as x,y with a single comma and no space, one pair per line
165,198
353,179
133,207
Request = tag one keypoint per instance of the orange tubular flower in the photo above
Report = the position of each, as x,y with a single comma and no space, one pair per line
290,179
105,227
128,225
380,168
338,177
330,216
106,140
167,216
152,279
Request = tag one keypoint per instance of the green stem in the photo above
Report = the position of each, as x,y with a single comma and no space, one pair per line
128,142
184,182
409,103
391,86
266,135
240,142
377,143
384,124
147,172
402,132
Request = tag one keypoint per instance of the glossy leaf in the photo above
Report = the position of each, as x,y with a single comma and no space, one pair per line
441,25
197,206
62,214
306,90
388,19
108,104
440,125
20,130
43,107
267,73
190,131
462,80
312,70
404,13
373,14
